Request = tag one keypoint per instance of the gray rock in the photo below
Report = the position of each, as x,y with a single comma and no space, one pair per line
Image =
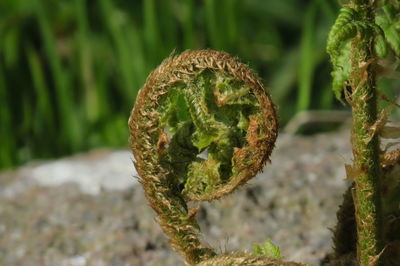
89,210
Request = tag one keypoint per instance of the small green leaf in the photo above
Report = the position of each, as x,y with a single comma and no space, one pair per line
380,46
389,25
341,74
202,140
268,248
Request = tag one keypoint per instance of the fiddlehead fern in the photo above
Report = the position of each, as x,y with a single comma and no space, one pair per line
347,26
203,124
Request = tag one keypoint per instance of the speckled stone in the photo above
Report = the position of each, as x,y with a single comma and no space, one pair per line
90,210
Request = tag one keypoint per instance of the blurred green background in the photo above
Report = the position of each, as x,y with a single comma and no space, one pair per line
70,70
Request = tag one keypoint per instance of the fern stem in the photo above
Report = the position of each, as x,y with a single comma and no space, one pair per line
365,142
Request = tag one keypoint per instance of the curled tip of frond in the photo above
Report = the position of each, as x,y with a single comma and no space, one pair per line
181,70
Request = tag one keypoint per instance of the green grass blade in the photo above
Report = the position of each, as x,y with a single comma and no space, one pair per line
231,22
85,60
115,21
307,59
140,67
216,36
285,75
151,31
102,52
10,47
188,25
69,128
42,94
7,138
169,28
327,98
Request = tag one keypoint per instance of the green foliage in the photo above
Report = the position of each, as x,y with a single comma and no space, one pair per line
347,25
72,68
268,249
340,75
389,20
342,30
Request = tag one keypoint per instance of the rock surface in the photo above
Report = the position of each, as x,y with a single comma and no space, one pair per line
90,210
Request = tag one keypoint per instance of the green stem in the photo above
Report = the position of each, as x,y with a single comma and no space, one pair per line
365,142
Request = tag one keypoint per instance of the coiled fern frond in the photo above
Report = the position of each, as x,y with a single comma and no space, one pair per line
203,124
